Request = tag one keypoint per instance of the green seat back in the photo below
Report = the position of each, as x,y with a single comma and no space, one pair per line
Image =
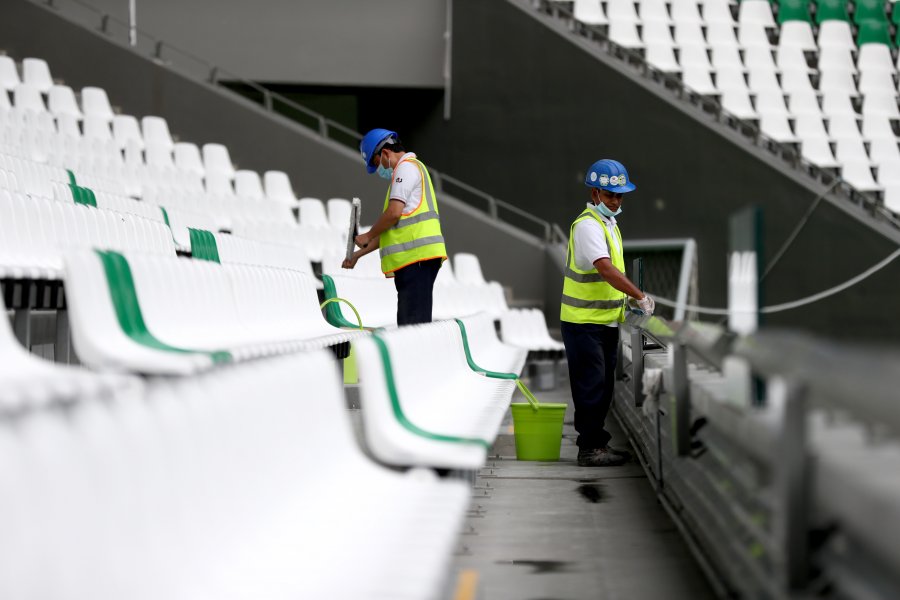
869,10
873,32
831,10
793,10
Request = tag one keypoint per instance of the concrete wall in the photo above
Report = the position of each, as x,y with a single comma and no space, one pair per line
257,140
532,109
334,42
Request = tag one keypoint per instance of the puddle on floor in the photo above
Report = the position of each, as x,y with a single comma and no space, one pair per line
591,492
539,567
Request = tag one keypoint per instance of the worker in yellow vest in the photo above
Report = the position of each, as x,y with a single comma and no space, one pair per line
595,289
408,232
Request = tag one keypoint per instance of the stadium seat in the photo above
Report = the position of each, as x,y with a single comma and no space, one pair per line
589,12
487,350
339,210
278,187
737,103
9,74
831,10
375,299
653,11
200,313
247,184
27,97
884,104
127,131
866,10
873,32
875,57
797,34
625,34
756,11
96,127
312,212
409,420
156,132
526,328
236,250
36,73
217,160
94,102
188,159
61,101
216,483
717,13
790,11
858,173
686,13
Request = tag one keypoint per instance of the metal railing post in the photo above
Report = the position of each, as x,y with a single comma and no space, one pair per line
637,365
680,398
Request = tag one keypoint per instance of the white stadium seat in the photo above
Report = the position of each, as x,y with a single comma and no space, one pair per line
278,187
36,73
156,132
94,102
61,101
217,160
9,74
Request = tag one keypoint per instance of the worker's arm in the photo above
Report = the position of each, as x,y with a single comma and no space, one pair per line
617,278
370,247
388,219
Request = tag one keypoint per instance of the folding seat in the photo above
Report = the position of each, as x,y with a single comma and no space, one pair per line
858,173
791,57
850,149
97,128
873,32
878,126
715,12
686,12
836,104
126,131
159,156
278,187
759,58
26,97
621,11
661,56
9,75
68,125
796,80
884,149
810,127
836,58
731,80
61,101
878,82
720,35
884,104
216,159
312,212
764,80
818,152
187,158
753,34
247,184
835,34
875,57
792,11
658,33
844,127
527,328
869,10
798,34
776,127
831,10
837,81
653,11
95,103
5,106
698,79
726,58
625,34
756,11
694,57
339,210
156,132
589,12
218,184
35,72
688,33
771,102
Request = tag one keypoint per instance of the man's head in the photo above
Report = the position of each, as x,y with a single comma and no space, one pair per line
376,147
608,181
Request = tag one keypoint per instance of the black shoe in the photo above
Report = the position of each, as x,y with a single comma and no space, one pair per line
620,452
600,457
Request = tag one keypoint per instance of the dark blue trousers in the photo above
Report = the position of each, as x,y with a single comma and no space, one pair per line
415,286
591,351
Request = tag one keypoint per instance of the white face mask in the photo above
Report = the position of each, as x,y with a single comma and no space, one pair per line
601,208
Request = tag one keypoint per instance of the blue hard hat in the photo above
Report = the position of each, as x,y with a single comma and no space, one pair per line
608,174
372,143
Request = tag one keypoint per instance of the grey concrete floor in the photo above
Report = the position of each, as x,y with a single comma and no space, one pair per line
542,531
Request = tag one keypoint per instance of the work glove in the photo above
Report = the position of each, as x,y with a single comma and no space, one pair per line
646,305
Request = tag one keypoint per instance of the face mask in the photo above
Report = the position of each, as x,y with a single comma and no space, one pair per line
385,173
604,210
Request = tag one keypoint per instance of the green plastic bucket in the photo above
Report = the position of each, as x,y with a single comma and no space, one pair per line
538,430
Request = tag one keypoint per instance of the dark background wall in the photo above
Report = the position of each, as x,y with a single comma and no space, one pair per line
531,110
332,42
199,112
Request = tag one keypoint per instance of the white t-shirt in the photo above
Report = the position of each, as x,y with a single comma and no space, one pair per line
590,242
406,184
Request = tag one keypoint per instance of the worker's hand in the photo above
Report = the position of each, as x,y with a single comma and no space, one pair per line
349,263
647,305
362,240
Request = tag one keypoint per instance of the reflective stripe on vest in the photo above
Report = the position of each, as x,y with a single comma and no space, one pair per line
416,236
587,297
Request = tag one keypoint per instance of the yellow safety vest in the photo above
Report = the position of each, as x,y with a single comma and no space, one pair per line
416,236
586,297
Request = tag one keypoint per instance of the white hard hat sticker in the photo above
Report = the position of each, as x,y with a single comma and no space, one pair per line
614,180
593,176
604,180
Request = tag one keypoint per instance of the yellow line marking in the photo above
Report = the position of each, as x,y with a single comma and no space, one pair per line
466,585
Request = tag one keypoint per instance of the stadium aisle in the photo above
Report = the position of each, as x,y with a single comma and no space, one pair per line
542,531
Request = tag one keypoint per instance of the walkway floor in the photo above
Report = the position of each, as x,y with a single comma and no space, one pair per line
556,531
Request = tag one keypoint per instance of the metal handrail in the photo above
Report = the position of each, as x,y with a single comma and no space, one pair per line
323,125
788,152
